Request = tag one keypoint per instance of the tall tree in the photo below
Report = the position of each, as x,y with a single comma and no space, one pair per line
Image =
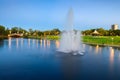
2,30
55,32
101,31
14,29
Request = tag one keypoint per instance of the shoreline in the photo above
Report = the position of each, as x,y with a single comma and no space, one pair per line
56,38
109,45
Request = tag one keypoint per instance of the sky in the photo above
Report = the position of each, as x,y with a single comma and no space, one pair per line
50,14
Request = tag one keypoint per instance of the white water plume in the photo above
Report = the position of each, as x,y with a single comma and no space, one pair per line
70,39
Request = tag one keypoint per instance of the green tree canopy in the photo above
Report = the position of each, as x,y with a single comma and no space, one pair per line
14,29
2,30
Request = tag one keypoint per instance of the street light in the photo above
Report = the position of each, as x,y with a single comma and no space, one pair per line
112,40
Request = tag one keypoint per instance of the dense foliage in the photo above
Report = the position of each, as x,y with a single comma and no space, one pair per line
5,31
102,32
2,30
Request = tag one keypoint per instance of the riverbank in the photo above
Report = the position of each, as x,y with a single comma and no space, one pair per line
113,41
103,45
94,40
3,37
102,39
55,37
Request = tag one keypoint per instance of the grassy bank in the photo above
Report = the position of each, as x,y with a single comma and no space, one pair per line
55,37
103,40
33,37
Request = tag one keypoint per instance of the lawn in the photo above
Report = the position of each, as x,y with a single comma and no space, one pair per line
108,40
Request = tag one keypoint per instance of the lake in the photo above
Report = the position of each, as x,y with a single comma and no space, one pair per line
31,59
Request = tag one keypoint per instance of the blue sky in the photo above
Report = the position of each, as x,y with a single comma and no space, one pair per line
49,14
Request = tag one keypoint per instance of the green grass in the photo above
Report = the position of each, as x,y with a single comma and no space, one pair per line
108,40
50,37
53,37
103,40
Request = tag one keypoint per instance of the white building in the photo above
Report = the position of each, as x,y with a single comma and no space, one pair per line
114,27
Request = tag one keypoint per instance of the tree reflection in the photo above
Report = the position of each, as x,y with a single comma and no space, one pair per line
1,42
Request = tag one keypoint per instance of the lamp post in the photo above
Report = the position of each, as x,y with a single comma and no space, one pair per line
112,40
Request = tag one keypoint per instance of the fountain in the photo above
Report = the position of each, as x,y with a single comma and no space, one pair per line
70,38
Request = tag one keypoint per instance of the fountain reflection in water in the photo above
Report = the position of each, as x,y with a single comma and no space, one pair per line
70,38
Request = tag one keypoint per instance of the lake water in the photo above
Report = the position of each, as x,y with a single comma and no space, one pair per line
31,59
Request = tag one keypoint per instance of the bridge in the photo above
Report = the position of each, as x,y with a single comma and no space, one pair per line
15,35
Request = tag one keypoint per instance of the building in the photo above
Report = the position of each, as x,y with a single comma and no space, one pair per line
95,33
114,27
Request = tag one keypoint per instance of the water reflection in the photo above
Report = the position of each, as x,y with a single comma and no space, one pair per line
57,43
41,42
48,43
90,48
29,43
96,48
37,43
111,55
1,43
22,41
83,45
9,42
70,67
65,64
33,41
119,55
111,58
44,43
17,42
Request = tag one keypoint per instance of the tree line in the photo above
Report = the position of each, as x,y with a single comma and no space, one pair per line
102,32
5,31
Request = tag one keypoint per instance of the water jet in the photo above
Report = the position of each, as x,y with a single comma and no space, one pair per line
70,41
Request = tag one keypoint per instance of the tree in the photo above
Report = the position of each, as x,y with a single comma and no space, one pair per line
116,32
7,31
55,32
101,31
40,33
21,30
48,32
14,29
2,30
87,32
31,31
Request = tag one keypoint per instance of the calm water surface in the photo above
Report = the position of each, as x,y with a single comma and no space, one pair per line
30,59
